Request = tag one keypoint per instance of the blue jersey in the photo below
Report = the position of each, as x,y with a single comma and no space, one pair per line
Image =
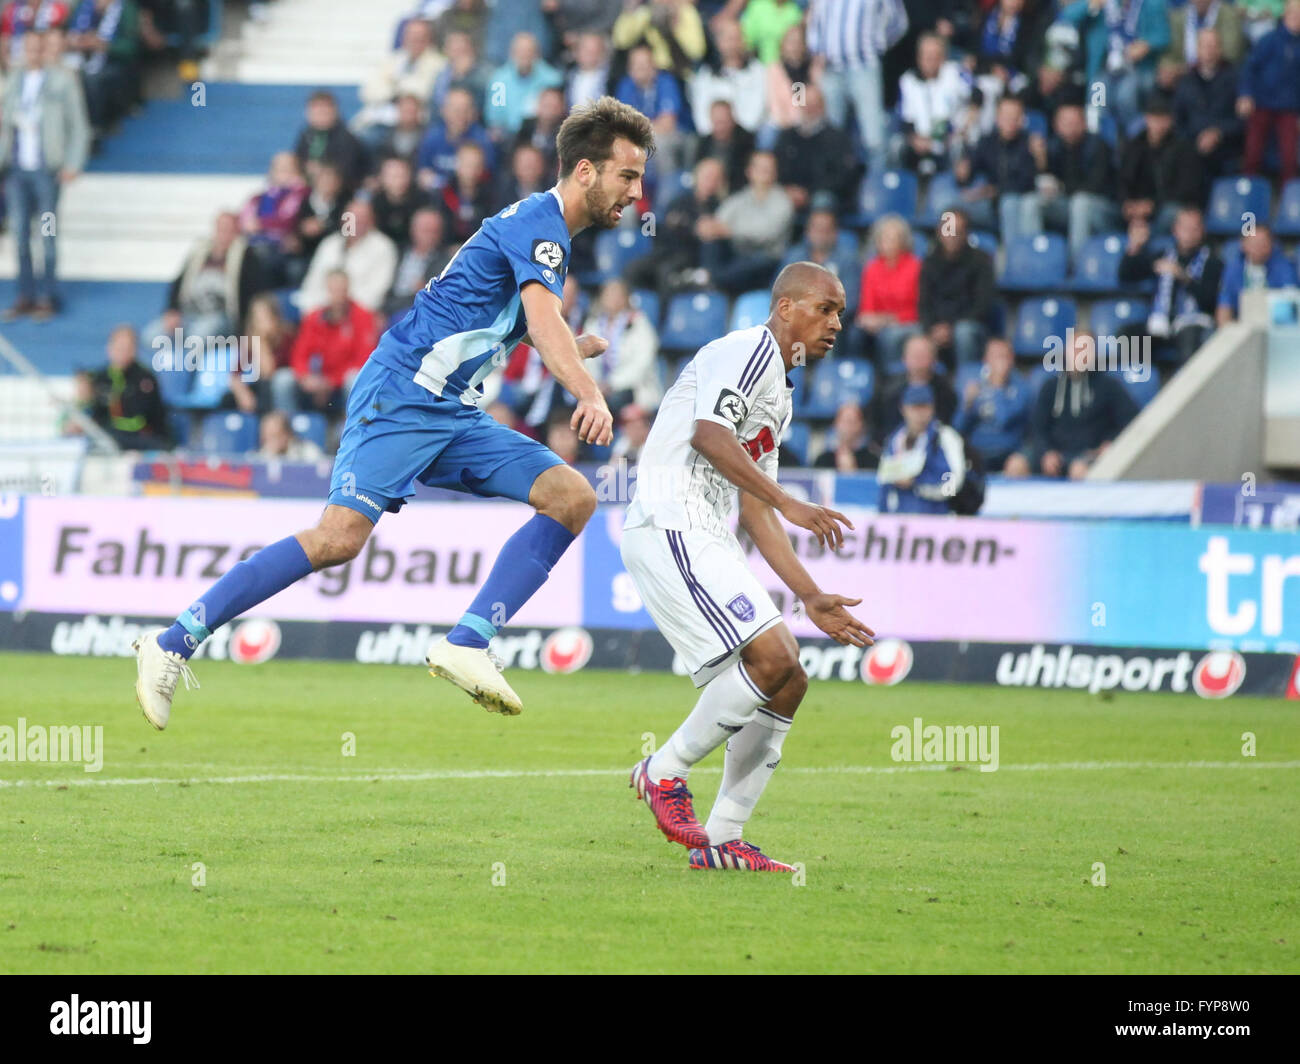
473,310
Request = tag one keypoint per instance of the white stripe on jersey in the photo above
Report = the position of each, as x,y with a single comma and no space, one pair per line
738,381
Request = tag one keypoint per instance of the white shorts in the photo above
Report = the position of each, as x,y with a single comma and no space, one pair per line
701,594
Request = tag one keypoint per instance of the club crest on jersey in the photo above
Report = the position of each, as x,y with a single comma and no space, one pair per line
548,253
742,608
731,406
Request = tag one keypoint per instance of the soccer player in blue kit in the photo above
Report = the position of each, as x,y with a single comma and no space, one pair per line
412,417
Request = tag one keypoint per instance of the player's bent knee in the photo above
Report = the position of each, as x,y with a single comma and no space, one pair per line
563,494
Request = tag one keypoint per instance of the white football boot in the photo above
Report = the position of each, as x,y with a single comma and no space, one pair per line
156,673
477,672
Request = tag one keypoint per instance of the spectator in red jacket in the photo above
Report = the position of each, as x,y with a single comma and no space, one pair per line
333,343
889,292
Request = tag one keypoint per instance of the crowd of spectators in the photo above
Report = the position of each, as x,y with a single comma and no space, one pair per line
1083,118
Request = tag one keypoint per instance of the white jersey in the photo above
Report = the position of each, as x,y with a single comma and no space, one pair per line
738,381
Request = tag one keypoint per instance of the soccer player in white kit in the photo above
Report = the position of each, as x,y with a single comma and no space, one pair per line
716,435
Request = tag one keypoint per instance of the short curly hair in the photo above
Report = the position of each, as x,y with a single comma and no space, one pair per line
591,129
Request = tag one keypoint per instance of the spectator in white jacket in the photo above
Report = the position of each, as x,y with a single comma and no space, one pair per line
628,371
362,252
739,78
411,70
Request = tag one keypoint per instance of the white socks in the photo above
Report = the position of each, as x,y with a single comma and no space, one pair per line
727,704
752,756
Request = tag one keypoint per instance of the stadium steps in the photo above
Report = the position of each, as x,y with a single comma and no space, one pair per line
309,42
176,137
115,226
76,338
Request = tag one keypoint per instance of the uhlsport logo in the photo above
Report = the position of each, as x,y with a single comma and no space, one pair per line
567,650
254,642
887,663
1219,674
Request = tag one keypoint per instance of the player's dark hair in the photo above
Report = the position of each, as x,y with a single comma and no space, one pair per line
591,129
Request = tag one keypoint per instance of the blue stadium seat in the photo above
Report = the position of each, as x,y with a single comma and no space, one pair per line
1036,123
693,319
983,240
178,421
1039,319
207,391
887,192
797,441
1108,130
751,308
615,248
228,434
1096,267
1034,263
1233,197
646,300
174,386
1118,317
832,382
1141,391
1287,222
310,426
966,372
284,299
1230,252
942,194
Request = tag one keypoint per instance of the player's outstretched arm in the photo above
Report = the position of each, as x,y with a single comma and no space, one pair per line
555,342
826,611
719,445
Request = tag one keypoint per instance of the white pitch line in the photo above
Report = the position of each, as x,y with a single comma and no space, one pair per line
398,776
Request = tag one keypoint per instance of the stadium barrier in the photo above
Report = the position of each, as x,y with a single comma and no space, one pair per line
1228,595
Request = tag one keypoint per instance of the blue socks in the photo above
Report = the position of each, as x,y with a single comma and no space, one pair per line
521,568
266,573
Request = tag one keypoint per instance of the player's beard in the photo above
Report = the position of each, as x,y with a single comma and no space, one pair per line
600,208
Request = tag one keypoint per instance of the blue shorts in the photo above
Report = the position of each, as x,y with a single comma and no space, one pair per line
398,433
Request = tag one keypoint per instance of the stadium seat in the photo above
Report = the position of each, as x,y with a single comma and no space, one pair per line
966,372
310,426
1142,391
942,194
1039,319
284,299
888,192
1108,130
1036,123
178,423
1034,263
1231,198
1096,267
615,248
207,391
228,434
1287,222
693,319
751,308
1118,317
797,440
985,241
646,300
174,386
832,382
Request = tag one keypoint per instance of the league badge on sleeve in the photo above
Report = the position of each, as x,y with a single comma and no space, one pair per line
731,406
548,253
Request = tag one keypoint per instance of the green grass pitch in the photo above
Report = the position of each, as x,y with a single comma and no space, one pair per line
458,841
